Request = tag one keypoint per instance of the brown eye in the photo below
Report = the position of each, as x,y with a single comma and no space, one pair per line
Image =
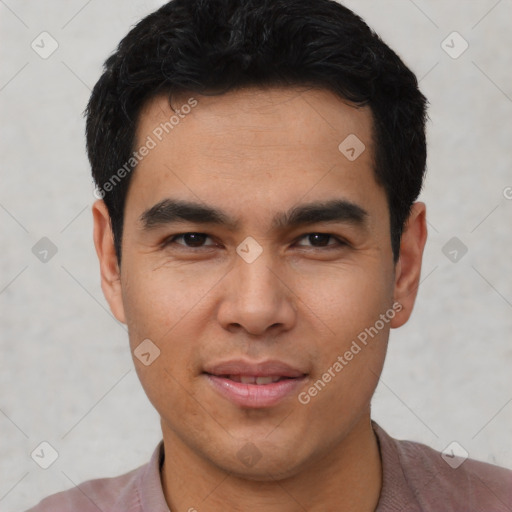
319,240
191,240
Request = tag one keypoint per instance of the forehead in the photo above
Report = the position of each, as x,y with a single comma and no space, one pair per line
249,145
311,118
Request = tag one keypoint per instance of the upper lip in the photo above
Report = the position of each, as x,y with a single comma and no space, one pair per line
253,368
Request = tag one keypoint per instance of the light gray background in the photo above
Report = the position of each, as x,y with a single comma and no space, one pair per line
66,372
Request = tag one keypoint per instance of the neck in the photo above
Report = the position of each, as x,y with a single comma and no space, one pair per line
347,478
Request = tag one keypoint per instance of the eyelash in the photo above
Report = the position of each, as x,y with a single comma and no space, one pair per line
172,240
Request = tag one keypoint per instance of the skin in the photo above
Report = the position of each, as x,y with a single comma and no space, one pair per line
253,153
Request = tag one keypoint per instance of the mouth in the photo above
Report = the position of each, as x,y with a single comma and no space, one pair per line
254,385
252,379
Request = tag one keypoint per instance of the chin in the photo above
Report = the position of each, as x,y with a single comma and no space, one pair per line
270,463
270,471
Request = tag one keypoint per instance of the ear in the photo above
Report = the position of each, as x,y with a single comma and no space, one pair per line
109,268
408,266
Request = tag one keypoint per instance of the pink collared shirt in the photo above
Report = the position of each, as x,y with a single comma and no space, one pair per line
416,478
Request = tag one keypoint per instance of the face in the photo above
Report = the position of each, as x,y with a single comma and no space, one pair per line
255,284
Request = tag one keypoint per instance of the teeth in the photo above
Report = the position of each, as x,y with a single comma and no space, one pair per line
265,380
251,379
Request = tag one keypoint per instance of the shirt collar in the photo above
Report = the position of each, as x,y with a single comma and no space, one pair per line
395,493
149,487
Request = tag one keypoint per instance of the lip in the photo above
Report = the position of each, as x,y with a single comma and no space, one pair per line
258,369
254,395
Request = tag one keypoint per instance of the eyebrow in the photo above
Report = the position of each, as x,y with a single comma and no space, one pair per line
169,211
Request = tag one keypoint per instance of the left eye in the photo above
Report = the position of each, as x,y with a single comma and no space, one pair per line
322,239
196,240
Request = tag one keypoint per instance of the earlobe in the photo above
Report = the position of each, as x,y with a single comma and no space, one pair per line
408,267
109,268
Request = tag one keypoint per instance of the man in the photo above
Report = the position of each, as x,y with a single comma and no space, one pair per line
258,164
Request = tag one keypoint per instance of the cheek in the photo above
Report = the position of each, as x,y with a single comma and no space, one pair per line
158,301
347,372
350,355
160,308
167,380
345,299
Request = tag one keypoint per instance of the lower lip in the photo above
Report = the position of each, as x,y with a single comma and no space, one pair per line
255,395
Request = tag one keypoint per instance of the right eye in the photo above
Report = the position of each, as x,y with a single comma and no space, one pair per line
194,239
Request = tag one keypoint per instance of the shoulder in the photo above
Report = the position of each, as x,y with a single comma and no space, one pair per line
92,495
444,481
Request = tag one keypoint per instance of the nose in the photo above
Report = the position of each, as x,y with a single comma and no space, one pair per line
256,298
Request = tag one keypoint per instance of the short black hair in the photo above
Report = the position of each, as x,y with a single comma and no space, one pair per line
216,46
